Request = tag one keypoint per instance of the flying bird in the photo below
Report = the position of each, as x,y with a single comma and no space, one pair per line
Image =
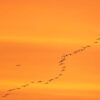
60,74
62,70
98,39
64,67
11,89
18,65
25,85
6,95
46,83
62,60
96,42
56,77
61,64
18,88
40,81
50,80
70,54
32,82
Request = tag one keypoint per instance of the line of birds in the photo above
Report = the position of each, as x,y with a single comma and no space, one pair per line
63,69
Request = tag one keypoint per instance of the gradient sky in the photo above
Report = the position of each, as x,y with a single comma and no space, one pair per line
35,34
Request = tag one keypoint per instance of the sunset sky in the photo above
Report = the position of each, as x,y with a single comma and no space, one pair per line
35,34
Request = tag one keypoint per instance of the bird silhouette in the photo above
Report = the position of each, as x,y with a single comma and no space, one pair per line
70,54
11,89
81,49
98,39
66,55
96,42
88,46
60,74
56,77
62,60
62,70
50,80
18,65
32,82
84,47
25,85
40,81
18,88
77,51
61,64
46,83
64,67
6,95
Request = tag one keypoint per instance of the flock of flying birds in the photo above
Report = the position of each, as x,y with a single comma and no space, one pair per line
60,63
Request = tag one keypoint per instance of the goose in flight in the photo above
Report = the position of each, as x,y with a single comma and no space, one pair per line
18,65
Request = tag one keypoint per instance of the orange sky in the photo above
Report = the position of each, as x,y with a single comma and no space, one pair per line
35,34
